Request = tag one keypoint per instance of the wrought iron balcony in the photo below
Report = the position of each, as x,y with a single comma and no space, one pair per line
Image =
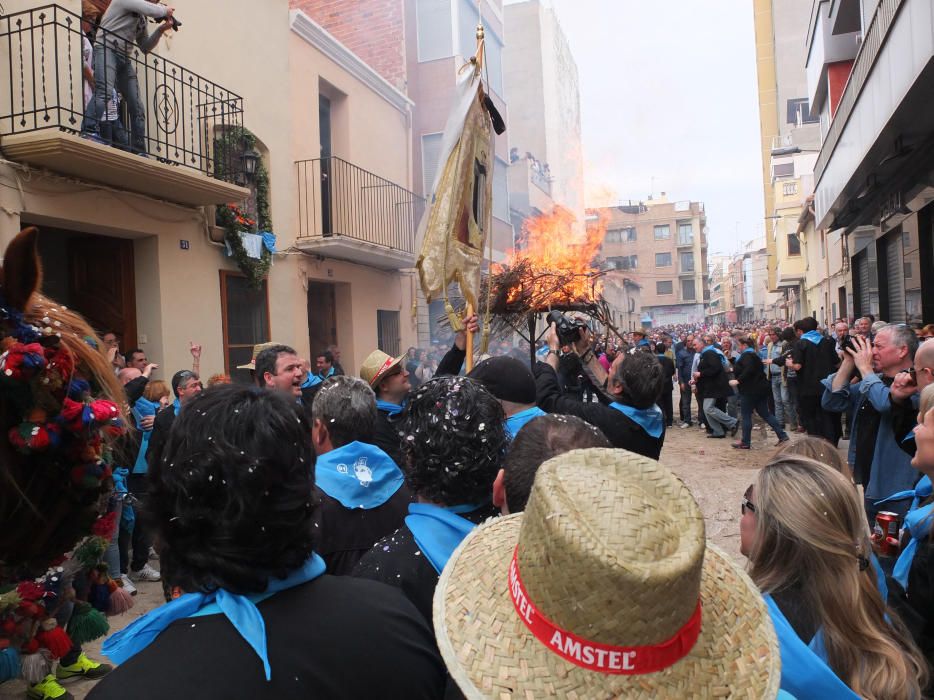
348,213
42,113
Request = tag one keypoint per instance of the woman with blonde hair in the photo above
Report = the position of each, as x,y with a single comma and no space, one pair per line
819,449
912,585
809,555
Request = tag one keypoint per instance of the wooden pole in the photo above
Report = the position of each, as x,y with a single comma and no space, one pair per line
469,346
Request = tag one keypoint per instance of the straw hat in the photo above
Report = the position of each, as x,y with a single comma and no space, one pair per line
377,365
610,558
257,349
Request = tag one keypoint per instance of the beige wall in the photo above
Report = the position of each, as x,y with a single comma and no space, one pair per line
178,291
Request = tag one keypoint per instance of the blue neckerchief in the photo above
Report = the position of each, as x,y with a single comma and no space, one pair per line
711,348
747,350
881,583
358,475
438,531
805,673
642,343
311,380
813,337
516,421
323,377
918,524
390,408
241,610
922,490
651,419
176,406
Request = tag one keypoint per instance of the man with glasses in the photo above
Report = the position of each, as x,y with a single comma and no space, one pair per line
906,392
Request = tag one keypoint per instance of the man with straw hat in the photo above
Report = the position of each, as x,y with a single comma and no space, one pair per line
604,587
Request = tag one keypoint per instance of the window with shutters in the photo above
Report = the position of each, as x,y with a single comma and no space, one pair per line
388,336
245,315
794,245
431,154
687,262
688,292
435,36
664,287
663,260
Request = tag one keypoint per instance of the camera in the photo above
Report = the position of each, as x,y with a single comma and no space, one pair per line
176,25
569,329
846,342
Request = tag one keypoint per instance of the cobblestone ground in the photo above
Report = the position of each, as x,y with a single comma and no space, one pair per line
716,474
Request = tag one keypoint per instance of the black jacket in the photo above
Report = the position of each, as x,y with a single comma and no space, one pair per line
668,368
619,429
817,361
160,432
333,637
714,382
386,436
750,372
343,535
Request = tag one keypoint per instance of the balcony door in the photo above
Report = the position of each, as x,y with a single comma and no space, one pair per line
324,130
94,275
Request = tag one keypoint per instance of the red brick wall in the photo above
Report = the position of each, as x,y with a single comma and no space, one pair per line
374,30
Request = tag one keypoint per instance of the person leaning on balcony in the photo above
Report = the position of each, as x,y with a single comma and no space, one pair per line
123,24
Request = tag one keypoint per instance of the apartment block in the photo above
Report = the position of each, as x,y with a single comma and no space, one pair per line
662,246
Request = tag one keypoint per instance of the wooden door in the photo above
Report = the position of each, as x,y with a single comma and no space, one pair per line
322,317
102,285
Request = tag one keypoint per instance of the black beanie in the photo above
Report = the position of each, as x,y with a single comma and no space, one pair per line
506,378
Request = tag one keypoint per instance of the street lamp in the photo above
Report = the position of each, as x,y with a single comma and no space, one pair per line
248,159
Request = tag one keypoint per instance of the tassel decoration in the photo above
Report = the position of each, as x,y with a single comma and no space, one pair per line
120,601
10,666
36,666
86,624
90,551
99,596
54,638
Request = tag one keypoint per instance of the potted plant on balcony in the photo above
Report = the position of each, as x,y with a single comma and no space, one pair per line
232,217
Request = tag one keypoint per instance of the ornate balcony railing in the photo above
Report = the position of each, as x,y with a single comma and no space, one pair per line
337,198
42,65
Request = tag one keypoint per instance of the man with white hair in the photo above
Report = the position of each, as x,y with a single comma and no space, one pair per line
875,455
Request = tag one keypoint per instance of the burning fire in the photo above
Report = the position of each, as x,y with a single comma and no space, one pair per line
560,259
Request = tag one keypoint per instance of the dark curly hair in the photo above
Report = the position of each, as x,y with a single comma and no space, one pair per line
231,491
453,441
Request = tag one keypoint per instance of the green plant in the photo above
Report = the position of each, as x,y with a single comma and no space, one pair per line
230,217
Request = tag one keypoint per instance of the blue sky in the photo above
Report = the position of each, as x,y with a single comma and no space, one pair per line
668,98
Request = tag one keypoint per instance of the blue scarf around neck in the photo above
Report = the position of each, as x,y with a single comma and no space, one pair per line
813,337
711,348
390,408
240,610
176,406
747,350
143,408
311,380
516,421
805,672
917,522
651,419
438,531
358,475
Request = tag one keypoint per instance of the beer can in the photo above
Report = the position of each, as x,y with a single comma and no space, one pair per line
885,533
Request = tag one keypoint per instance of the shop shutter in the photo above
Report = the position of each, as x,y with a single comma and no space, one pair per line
894,278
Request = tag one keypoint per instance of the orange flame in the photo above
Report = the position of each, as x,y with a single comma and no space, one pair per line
554,243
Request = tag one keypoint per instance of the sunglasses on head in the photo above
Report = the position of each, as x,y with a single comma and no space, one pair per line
747,505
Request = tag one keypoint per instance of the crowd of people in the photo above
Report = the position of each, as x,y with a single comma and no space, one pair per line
337,534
